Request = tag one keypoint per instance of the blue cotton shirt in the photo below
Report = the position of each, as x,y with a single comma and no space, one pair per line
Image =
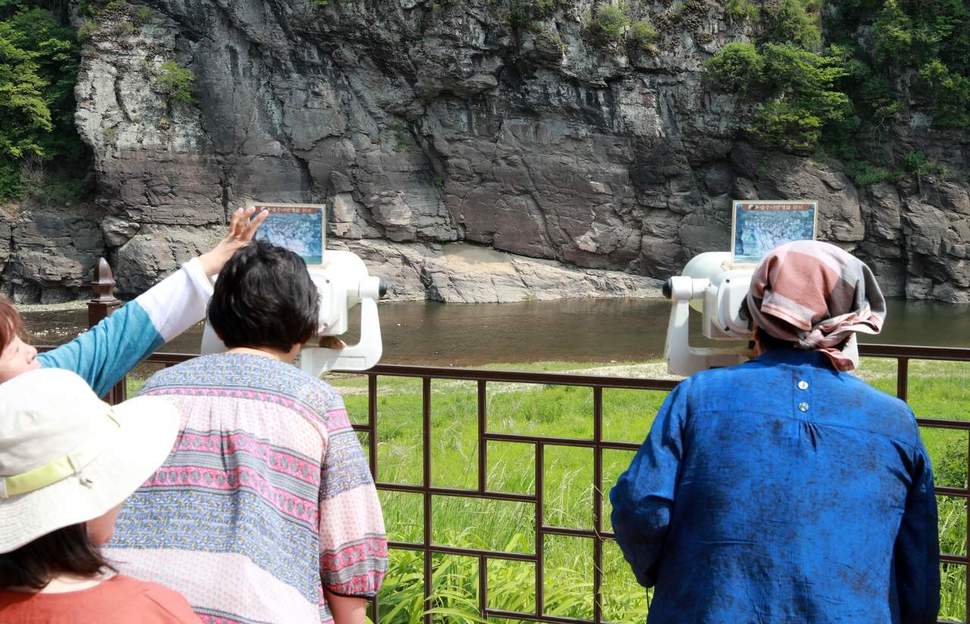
781,490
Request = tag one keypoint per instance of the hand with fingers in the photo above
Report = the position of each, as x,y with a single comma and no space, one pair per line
242,227
331,342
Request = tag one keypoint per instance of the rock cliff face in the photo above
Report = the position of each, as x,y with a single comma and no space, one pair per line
426,123
47,253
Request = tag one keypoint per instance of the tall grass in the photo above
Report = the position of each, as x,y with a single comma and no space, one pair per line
940,390
937,390
558,411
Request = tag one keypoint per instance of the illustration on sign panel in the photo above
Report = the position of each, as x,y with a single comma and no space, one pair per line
760,226
297,227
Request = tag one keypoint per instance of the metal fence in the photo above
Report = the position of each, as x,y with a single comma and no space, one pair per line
599,532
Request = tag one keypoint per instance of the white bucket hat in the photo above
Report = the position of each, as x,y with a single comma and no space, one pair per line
67,457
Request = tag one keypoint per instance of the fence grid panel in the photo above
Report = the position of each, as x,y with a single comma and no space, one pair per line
597,444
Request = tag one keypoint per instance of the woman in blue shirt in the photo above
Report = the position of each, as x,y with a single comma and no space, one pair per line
785,489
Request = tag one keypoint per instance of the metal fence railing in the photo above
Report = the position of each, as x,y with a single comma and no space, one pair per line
598,533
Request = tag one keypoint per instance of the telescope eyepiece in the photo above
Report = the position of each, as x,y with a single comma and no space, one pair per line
668,288
382,289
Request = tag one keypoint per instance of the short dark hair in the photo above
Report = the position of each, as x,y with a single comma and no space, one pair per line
767,341
264,297
67,550
770,343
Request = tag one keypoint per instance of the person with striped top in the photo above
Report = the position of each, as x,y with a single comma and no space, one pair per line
266,511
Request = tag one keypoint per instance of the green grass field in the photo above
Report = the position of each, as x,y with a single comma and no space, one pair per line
505,526
937,390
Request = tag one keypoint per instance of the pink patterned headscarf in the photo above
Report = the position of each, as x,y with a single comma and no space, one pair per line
817,296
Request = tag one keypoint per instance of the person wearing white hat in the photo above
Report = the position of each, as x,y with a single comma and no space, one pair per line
266,510
67,463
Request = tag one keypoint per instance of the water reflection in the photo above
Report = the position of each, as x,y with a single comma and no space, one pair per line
598,330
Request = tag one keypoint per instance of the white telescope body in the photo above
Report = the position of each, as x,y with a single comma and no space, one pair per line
344,284
716,288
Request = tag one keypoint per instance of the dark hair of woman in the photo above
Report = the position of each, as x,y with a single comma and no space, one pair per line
264,297
766,340
64,551
770,343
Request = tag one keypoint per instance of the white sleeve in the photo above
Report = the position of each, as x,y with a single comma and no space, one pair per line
179,301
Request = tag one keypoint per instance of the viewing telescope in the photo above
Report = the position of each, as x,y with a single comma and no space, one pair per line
344,284
714,286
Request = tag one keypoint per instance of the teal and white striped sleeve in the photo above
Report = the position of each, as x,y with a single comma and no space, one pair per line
106,352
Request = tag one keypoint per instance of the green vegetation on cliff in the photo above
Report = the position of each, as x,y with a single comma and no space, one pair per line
609,23
878,59
176,82
919,49
795,88
38,69
815,75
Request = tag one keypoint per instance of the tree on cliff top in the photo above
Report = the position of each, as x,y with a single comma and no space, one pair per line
38,69
878,59
176,82
25,113
794,89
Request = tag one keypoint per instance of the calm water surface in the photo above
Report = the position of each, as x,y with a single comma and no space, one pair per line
598,330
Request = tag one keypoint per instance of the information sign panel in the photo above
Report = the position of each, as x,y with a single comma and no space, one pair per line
758,226
297,227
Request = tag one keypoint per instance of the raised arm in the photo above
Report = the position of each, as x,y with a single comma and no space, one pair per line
105,353
644,495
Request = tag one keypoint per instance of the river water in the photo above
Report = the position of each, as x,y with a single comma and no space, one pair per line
598,330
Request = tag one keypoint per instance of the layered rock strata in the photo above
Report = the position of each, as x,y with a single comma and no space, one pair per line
422,124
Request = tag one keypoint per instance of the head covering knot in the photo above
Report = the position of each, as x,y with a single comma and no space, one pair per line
817,296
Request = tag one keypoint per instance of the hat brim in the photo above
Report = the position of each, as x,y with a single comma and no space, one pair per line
147,432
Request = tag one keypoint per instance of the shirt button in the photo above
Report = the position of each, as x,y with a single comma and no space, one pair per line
803,385
803,406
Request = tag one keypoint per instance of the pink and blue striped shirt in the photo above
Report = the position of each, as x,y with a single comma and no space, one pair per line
266,499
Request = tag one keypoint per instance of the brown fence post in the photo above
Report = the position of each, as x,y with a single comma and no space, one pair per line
103,304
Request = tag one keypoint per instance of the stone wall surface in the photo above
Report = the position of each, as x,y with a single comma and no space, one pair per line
425,124
47,253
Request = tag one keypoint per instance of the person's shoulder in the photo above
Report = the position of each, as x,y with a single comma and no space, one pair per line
290,380
319,393
891,413
713,388
873,395
156,603
131,586
159,379
721,378
246,371
190,372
